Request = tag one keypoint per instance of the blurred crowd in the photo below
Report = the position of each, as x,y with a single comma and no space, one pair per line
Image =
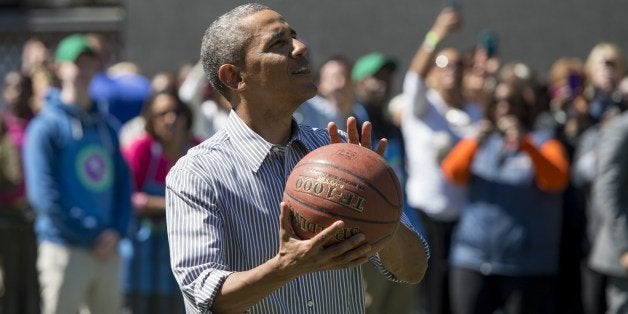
516,180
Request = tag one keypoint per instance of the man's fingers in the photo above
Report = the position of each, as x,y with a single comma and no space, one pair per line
367,128
381,147
334,136
285,224
352,130
327,235
356,252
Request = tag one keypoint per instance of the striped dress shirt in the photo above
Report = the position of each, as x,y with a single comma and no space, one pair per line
223,216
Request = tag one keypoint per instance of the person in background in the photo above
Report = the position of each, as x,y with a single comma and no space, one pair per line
130,90
605,67
232,245
568,104
482,64
148,281
35,55
505,248
372,77
609,252
437,116
119,89
335,99
135,127
567,115
80,186
210,108
19,287
37,64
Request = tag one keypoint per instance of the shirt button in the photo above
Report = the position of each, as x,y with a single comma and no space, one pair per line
275,149
310,303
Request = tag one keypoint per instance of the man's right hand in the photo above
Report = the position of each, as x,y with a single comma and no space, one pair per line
298,257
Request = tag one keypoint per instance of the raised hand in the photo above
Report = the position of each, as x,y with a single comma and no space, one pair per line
448,21
364,139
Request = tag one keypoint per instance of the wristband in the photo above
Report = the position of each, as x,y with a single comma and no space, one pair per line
431,40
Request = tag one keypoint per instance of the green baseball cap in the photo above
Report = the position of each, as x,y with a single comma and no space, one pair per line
71,47
371,63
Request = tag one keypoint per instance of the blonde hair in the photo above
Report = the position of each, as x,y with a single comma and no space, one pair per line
605,50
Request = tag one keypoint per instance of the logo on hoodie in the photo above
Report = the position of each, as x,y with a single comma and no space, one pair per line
94,168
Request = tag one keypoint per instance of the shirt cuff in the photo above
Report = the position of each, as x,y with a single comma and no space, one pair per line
208,289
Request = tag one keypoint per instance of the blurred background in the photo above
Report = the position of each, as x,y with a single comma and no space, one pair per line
163,35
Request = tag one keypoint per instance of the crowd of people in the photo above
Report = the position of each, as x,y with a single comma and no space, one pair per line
516,181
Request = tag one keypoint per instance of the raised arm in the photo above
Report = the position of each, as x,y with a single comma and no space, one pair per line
414,85
448,21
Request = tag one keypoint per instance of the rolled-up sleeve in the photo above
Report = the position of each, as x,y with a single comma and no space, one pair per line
195,234
375,259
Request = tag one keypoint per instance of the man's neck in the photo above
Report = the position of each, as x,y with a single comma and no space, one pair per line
275,127
76,95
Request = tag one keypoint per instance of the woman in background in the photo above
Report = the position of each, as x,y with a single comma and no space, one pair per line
505,248
148,280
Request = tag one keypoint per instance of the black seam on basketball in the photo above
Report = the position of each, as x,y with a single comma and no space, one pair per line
322,210
367,182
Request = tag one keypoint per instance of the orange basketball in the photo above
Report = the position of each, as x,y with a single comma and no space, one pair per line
344,182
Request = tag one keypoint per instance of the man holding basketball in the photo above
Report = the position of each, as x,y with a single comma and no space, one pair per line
227,252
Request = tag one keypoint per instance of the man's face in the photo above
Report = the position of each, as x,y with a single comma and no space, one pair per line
81,71
276,68
375,89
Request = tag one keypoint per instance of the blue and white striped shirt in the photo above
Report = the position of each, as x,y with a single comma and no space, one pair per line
223,216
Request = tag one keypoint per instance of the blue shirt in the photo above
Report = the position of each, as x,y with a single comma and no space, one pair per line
223,216
76,178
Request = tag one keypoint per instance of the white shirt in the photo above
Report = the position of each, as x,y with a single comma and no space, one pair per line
430,129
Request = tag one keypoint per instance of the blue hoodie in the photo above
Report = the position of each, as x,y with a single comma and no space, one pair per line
76,178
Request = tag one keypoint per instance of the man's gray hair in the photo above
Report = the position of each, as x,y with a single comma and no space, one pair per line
225,41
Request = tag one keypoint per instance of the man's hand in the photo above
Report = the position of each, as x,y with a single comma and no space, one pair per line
354,138
298,257
106,244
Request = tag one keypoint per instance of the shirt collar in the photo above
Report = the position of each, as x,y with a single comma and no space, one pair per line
253,147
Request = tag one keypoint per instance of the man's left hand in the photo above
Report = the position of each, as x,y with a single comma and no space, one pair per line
363,139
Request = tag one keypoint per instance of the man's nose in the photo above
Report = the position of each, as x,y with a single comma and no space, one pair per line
299,48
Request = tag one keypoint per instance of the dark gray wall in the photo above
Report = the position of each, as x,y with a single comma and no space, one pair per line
162,34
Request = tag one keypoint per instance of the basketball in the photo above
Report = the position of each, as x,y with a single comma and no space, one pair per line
344,182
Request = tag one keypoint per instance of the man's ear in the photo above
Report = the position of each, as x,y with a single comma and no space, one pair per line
229,76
